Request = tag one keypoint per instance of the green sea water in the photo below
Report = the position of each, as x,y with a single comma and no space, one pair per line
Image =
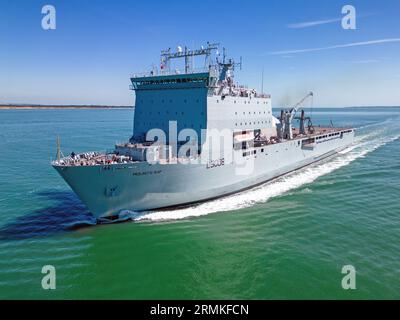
286,239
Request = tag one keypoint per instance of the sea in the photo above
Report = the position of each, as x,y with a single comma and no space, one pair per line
291,238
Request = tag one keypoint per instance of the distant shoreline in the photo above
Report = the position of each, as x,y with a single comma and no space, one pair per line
32,106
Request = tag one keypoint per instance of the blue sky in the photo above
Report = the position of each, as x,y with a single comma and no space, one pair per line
300,44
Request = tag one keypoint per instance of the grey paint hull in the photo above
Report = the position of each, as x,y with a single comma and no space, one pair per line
107,190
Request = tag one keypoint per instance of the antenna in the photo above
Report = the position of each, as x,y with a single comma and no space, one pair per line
59,153
187,54
312,106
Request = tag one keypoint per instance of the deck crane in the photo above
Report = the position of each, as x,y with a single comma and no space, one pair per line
303,119
287,116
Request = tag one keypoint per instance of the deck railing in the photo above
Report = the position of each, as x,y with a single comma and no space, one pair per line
169,72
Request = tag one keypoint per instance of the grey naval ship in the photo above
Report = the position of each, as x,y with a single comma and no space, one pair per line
162,165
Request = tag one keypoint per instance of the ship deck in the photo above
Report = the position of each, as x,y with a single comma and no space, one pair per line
112,158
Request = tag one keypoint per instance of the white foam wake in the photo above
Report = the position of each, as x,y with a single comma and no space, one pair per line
277,187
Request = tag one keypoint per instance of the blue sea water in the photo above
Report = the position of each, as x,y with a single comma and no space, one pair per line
289,238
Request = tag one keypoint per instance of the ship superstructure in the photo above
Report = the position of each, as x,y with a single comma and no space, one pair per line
173,156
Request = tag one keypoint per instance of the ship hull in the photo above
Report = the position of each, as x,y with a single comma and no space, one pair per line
107,190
